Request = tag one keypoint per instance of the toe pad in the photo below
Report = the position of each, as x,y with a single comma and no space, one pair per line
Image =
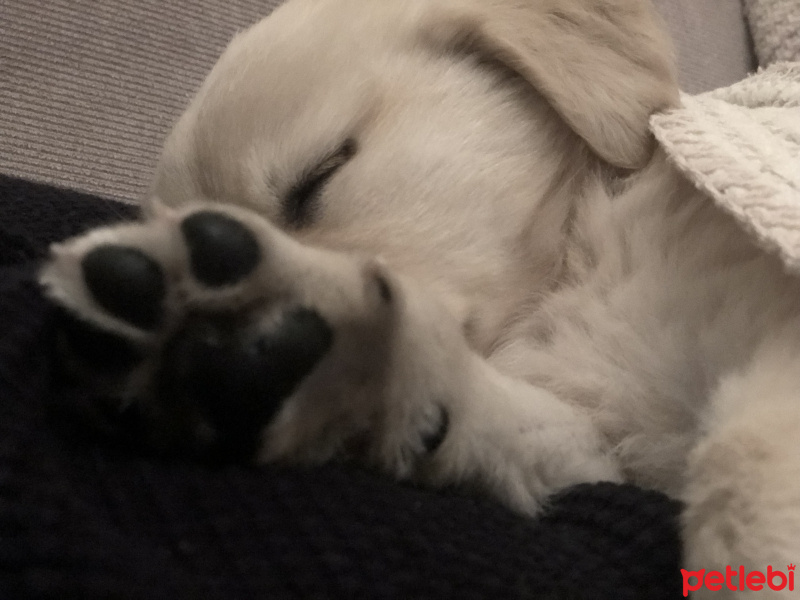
222,250
127,283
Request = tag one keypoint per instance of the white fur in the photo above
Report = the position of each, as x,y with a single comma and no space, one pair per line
576,325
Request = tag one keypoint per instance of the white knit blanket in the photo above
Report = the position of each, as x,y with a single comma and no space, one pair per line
741,145
775,25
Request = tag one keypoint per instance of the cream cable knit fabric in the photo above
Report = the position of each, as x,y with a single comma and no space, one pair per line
741,145
775,26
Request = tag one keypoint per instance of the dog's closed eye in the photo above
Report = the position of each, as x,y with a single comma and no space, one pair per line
300,204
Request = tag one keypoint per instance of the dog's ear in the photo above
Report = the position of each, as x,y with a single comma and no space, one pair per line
604,65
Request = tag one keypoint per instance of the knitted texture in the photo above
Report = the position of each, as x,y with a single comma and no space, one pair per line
775,26
741,145
83,518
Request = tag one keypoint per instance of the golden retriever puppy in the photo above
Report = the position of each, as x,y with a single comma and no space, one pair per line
434,235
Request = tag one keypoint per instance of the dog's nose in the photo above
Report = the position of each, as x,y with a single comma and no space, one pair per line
225,379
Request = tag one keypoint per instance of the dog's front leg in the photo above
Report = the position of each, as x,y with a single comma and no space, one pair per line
517,441
236,341
437,412
743,482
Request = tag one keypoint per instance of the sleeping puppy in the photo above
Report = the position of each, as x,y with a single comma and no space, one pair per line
433,235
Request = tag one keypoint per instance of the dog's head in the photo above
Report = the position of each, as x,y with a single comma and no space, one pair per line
447,136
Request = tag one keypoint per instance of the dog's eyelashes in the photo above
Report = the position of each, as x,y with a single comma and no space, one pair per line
300,204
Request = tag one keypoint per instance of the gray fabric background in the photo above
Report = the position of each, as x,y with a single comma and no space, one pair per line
712,42
89,88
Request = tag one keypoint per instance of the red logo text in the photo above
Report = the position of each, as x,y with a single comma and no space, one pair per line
738,580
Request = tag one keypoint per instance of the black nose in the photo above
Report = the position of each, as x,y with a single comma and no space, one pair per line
222,380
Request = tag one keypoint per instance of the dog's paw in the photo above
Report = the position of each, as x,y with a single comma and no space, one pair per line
232,339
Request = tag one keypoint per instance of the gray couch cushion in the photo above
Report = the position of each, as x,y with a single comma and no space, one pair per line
711,40
88,89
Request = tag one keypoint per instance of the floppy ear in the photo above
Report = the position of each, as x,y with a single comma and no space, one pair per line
604,65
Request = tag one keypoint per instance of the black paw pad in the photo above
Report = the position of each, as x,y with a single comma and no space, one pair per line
222,250
300,341
125,282
434,439
235,379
